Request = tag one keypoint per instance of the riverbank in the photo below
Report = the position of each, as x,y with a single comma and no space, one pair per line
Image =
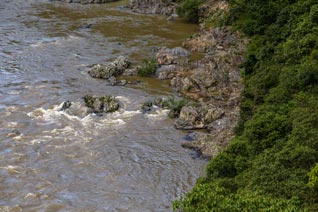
271,164
205,70
213,81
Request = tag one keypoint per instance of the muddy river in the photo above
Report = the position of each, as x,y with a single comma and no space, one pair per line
53,160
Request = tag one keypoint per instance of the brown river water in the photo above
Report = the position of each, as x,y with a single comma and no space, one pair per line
52,160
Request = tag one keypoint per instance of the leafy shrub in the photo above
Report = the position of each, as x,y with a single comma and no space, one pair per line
313,176
175,105
189,10
147,68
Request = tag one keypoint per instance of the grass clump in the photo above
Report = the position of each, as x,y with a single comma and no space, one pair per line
175,105
147,68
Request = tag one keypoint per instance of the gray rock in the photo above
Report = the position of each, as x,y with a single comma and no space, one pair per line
130,72
112,69
189,118
115,82
146,107
165,72
167,7
177,55
211,114
103,104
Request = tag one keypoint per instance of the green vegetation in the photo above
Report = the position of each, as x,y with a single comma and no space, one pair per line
175,105
272,164
188,9
147,68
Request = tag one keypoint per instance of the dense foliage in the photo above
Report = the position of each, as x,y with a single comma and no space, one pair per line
189,9
147,68
272,164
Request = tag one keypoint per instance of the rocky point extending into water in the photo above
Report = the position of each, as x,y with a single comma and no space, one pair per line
213,81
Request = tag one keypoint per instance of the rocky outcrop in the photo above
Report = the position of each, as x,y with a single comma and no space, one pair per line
167,7
113,69
102,104
87,1
213,81
198,117
177,55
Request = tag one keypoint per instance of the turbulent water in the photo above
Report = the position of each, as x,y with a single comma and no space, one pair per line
53,160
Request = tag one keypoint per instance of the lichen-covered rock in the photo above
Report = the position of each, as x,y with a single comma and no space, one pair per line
198,117
103,104
167,7
210,114
209,145
165,72
146,106
115,82
189,118
177,55
112,69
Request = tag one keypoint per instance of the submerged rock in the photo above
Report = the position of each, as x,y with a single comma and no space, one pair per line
147,106
112,69
67,104
103,104
115,82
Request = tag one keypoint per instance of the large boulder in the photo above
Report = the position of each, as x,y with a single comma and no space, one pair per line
211,113
103,104
189,118
198,117
112,69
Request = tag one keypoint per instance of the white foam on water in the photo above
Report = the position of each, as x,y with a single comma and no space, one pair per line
12,124
14,92
52,114
68,123
125,114
11,109
37,141
159,114
19,137
124,99
54,41
116,122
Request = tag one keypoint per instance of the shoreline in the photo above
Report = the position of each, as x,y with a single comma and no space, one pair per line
211,81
